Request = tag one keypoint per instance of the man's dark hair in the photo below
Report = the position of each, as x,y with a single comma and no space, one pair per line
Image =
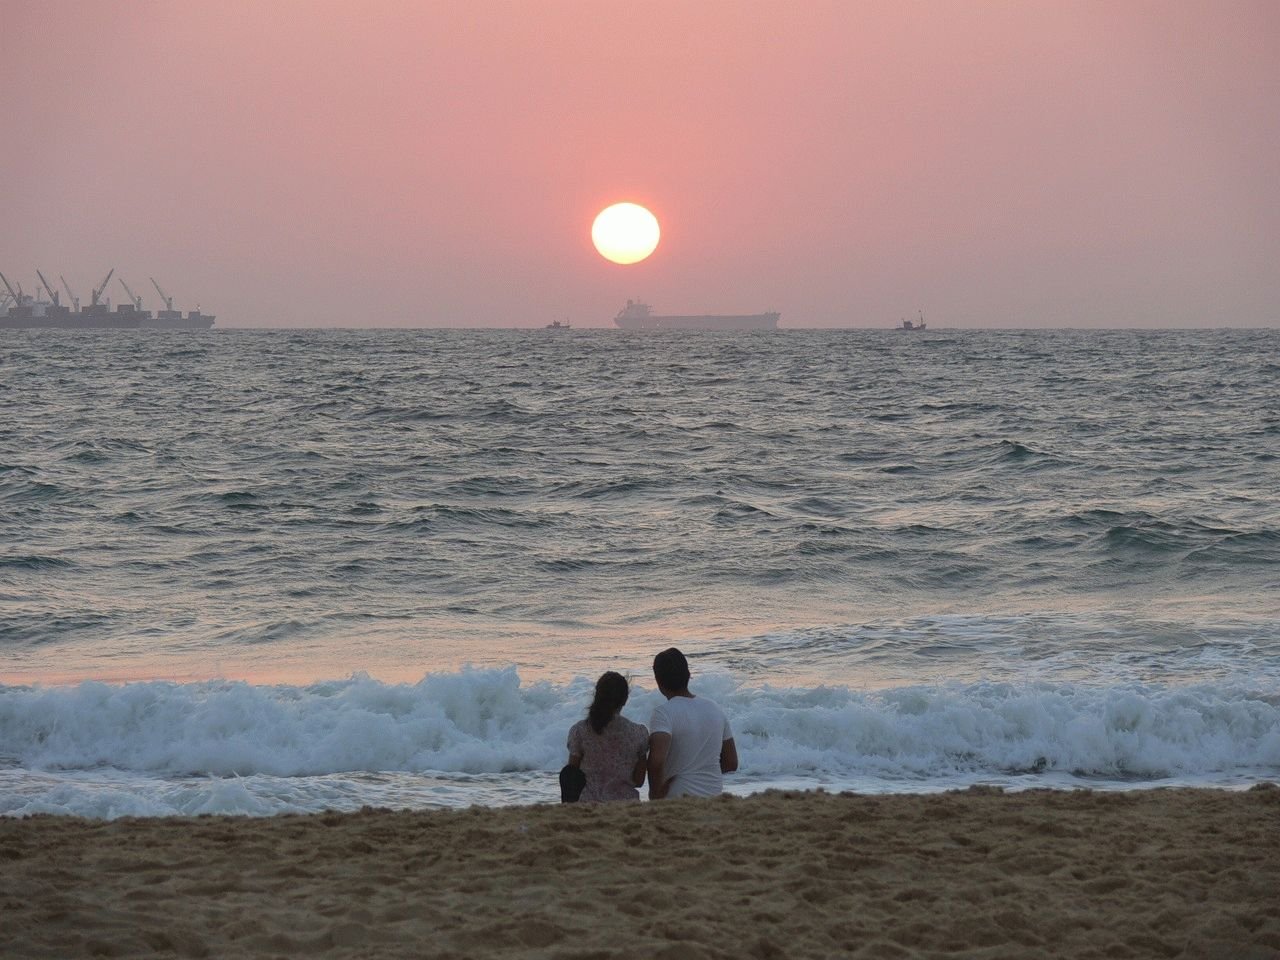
671,670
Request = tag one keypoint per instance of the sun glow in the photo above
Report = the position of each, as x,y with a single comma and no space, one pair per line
625,233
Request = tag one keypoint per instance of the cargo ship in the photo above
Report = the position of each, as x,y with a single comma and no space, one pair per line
637,316
23,311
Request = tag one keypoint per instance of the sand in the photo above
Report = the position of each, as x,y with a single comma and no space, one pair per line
1156,873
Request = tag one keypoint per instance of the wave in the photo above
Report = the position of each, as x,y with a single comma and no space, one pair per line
236,500
1013,450
428,515
1195,543
488,722
1254,547
1199,540
1156,538
36,492
36,562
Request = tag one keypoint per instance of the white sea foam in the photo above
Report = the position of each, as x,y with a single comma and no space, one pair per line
483,736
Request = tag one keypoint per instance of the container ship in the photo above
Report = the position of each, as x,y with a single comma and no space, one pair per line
637,316
22,311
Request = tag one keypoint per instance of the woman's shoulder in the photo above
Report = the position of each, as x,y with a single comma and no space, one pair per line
631,727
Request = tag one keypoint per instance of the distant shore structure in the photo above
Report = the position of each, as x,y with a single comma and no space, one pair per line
914,325
638,316
20,310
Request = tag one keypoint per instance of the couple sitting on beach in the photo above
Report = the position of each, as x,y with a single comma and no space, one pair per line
685,752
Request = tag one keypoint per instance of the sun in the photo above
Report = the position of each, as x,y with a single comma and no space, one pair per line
625,233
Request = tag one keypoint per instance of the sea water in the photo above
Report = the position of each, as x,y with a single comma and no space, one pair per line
256,572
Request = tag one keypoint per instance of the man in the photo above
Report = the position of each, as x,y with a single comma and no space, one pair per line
690,744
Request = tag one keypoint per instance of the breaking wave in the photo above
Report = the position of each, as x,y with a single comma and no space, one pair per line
488,724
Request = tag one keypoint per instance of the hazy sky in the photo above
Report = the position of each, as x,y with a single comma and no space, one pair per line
401,163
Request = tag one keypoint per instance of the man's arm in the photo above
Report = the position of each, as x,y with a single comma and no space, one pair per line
659,747
728,756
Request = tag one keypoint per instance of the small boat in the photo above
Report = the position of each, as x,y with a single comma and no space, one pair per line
910,325
557,325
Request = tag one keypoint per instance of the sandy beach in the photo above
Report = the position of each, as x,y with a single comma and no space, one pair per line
1157,873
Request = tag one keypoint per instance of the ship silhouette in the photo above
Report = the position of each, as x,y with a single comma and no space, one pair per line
20,310
638,316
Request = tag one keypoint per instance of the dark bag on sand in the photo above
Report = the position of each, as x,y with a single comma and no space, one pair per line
572,780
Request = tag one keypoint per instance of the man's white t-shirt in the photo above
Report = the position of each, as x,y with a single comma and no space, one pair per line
698,729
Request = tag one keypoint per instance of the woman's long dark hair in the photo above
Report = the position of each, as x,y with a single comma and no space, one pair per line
611,696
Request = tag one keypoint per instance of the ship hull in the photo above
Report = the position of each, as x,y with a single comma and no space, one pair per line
711,322
186,323
103,321
73,322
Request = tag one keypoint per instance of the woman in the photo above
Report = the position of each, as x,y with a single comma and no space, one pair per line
607,747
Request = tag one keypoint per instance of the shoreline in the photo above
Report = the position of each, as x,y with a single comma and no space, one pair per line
41,793
1038,873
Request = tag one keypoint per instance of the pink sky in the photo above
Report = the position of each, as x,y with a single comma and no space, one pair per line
435,164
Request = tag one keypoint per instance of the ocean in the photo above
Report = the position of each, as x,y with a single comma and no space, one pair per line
255,572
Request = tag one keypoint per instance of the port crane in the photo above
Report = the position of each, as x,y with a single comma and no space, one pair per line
52,292
97,294
17,298
168,300
136,301
74,299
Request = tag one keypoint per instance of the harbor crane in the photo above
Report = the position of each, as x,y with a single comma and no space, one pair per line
52,292
74,299
137,301
168,300
17,298
97,294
